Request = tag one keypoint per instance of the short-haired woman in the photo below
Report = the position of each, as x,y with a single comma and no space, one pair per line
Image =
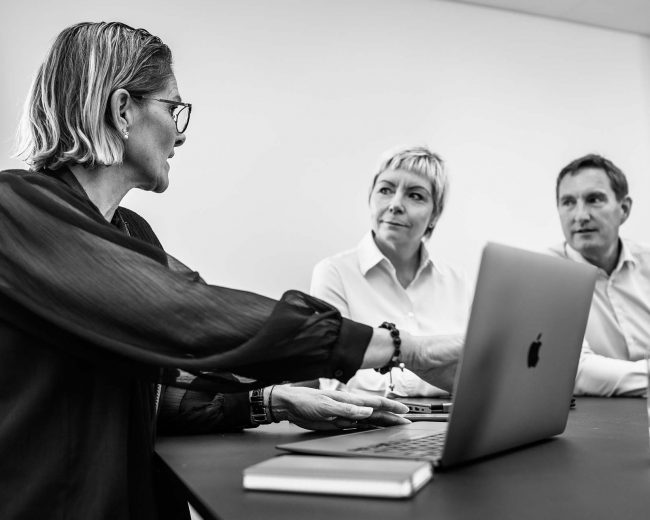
390,274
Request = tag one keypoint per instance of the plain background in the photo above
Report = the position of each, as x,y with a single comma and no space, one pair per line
295,101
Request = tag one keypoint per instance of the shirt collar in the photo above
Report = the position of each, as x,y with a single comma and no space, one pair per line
624,257
370,255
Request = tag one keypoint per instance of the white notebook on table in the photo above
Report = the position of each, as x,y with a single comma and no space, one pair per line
339,476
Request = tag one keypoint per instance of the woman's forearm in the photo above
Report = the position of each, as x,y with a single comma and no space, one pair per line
433,358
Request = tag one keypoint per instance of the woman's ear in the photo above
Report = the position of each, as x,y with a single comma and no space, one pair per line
433,221
120,105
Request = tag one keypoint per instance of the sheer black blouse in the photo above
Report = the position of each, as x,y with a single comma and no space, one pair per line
88,318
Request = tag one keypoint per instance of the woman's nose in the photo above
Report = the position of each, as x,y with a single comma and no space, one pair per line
180,139
396,205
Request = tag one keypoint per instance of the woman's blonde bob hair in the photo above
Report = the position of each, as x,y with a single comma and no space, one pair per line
66,118
423,162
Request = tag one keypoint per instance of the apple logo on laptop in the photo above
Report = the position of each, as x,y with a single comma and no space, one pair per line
533,351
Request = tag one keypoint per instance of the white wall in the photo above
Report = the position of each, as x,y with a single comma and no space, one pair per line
295,100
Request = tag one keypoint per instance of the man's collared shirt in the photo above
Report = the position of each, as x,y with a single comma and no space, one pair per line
362,283
618,331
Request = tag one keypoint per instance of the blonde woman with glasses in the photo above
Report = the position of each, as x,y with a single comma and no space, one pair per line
95,316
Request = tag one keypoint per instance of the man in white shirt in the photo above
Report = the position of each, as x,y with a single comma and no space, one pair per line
593,202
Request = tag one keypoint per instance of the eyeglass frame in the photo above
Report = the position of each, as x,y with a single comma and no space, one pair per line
174,116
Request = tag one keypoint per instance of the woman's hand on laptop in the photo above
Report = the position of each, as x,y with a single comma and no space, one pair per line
332,409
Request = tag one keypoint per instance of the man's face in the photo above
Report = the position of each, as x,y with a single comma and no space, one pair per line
591,215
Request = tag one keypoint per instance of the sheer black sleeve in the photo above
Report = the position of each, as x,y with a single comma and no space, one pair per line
188,410
108,297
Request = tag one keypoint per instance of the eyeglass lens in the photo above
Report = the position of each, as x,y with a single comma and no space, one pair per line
182,117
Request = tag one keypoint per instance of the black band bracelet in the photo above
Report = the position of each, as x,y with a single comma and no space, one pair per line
270,405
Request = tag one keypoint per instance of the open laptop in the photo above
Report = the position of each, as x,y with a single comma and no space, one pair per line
516,377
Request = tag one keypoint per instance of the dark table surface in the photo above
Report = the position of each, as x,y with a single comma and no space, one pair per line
599,468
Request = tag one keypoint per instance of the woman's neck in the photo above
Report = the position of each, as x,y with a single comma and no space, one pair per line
405,260
105,186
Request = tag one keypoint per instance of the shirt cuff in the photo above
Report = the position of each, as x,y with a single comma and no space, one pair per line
348,351
237,410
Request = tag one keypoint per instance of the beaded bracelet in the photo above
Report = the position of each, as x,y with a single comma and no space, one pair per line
395,358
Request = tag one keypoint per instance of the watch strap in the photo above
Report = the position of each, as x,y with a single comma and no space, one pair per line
259,411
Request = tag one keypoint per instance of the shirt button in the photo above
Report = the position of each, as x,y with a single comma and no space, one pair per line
338,373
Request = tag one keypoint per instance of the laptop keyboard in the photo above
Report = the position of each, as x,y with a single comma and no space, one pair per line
422,447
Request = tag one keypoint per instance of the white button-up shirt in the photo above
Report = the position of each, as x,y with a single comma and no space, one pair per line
363,285
618,331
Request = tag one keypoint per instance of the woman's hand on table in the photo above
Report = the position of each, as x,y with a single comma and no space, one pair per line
315,409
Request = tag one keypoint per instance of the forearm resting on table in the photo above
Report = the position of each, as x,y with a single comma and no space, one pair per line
603,376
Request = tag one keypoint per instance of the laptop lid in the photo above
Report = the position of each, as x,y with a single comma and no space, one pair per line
516,377
523,342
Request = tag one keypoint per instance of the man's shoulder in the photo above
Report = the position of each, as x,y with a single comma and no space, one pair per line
639,250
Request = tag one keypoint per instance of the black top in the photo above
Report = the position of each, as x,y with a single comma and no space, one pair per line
88,317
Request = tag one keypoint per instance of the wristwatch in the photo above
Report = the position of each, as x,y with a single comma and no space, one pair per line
259,411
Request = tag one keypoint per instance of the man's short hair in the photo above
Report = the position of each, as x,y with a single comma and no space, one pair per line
617,179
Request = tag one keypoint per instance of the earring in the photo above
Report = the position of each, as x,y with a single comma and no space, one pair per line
125,134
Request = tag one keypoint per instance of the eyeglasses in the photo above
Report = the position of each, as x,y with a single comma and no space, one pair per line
180,112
